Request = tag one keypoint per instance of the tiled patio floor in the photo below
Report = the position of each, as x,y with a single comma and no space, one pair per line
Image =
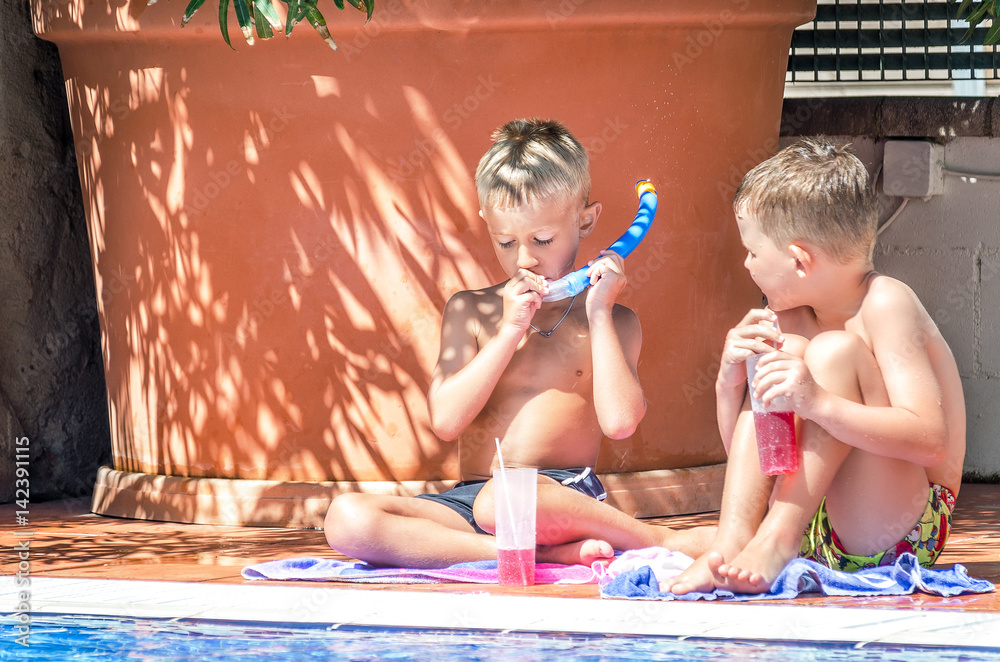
67,541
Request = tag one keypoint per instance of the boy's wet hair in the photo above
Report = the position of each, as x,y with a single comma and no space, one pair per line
817,191
532,160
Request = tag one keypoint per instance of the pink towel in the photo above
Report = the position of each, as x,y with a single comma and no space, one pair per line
478,572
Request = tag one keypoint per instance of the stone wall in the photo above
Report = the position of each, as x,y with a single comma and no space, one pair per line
946,247
51,373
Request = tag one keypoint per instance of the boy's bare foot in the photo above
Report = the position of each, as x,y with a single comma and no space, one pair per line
702,577
582,552
755,568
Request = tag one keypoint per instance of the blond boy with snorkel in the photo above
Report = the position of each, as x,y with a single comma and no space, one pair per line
548,379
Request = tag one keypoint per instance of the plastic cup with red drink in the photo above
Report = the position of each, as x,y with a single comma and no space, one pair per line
775,428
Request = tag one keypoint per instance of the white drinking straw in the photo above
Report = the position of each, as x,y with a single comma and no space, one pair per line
503,472
506,487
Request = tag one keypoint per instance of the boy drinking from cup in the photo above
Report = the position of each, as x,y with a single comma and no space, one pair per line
874,387
547,379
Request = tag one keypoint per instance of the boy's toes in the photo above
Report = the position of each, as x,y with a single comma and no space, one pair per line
582,552
695,578
715,562
727,570
677,588
595,550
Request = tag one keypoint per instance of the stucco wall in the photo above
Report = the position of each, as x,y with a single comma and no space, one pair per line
51,373
947,247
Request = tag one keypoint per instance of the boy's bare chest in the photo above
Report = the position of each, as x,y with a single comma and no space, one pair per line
561,362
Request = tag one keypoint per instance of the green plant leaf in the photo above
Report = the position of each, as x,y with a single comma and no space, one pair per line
264,9
262,24
978,13
243,18
993,36
367,6
192,7
316,19
304,7
224,21
261,17
962,8
291,18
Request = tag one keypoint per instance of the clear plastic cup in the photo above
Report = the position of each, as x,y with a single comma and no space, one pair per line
515,493
775,428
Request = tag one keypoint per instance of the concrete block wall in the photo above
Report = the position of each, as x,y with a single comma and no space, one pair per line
946,247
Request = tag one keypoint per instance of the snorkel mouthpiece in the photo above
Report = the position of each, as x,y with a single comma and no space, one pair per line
577,281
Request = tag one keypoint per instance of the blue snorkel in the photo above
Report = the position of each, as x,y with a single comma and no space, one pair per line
573,283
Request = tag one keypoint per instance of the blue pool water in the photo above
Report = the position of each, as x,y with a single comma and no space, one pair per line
70,637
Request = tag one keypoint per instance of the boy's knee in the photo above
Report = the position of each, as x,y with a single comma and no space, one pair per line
348,517
483,509
836,351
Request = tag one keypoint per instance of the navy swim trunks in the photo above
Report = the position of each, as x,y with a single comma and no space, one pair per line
461,497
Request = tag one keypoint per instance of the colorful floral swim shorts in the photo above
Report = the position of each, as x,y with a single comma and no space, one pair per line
926,540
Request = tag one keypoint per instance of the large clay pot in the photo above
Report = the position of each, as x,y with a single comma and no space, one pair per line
275,230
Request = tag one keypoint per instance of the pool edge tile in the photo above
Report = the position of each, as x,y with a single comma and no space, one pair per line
300,603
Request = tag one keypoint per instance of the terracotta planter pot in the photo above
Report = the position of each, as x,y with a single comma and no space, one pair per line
275,231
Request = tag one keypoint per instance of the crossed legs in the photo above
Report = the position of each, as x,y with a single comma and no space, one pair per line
418,533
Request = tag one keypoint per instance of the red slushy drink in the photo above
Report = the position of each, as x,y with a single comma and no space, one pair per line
775,428
776,442
516,567
515,495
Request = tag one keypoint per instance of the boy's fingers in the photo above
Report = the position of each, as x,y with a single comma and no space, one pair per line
614,257
770,363
777,358
750,346
756,315
531,281
608,261
776,375
767,329
761,323
756,338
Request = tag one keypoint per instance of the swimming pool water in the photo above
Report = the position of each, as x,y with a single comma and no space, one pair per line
71,637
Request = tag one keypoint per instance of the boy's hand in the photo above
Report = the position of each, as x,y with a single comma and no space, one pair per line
783,374
749,337
522,296
607,280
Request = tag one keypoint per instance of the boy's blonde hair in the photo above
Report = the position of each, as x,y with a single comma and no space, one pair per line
531,160
817,191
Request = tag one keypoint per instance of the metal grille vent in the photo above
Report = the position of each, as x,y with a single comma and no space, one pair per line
885,40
